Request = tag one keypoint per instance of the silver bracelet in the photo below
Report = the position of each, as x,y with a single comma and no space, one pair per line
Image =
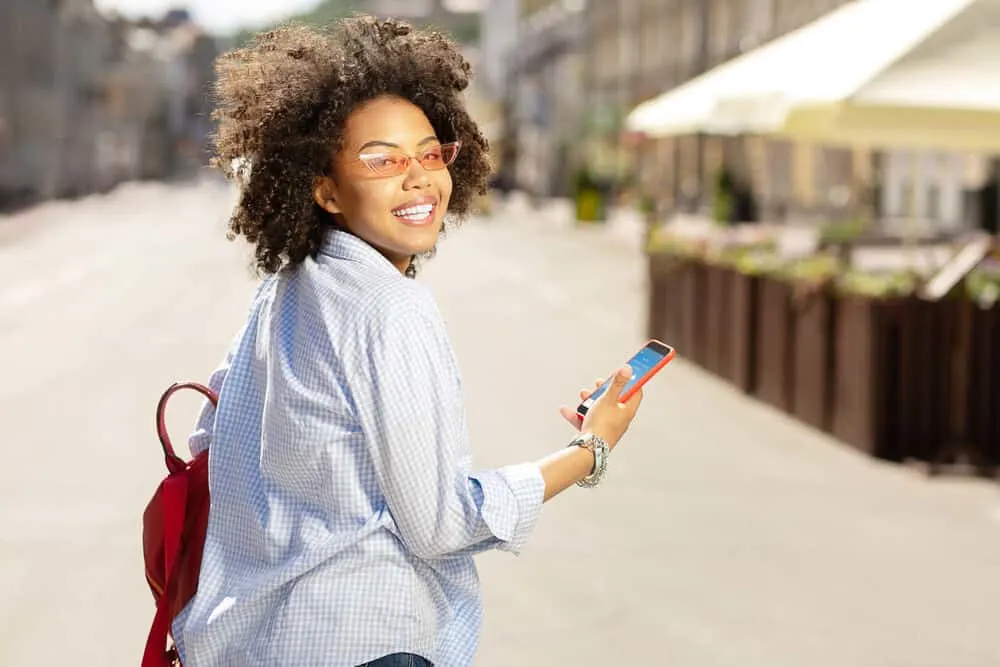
599,448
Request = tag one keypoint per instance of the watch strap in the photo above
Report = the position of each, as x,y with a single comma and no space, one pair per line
599,448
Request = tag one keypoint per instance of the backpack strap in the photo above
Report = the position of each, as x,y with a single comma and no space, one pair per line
174,462
174,493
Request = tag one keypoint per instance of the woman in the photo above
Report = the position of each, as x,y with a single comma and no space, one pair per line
344,514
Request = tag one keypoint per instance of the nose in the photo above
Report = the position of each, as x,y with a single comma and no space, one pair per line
416,176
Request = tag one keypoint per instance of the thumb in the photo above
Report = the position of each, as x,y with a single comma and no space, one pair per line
619,381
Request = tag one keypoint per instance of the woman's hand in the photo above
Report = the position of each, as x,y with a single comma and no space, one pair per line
607,418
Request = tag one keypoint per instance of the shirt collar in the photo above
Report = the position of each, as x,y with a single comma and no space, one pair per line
344,245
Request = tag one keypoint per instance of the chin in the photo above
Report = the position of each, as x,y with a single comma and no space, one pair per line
423,234
424,247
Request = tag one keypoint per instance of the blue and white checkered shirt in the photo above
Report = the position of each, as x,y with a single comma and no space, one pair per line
344,513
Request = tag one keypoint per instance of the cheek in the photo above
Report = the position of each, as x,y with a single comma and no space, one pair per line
374,195
444,184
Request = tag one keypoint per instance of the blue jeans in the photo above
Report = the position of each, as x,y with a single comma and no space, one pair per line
399,660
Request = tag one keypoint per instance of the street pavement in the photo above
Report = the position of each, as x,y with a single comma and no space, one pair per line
726,534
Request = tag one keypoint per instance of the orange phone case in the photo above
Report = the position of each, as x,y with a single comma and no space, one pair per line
649,374
652,371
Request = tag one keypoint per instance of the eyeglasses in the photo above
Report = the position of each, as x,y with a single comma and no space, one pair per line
394,163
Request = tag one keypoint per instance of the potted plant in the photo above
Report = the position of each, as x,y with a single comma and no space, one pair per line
671,257
588,197
891,374
983,283
723,198
982,358
812,314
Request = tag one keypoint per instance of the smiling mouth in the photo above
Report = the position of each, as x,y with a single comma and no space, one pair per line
418,213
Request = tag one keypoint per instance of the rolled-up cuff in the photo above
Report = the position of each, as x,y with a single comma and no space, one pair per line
512,501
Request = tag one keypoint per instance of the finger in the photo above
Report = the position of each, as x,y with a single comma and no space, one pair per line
574,420
570,415
619,381
587,393
633,403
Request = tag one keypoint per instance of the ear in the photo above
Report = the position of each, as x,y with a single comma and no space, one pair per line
325,194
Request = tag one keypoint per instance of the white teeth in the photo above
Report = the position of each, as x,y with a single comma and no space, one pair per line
419,212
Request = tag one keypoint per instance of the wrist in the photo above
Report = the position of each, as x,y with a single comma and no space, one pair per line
599,449
603,435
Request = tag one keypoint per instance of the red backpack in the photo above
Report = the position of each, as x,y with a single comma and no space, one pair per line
173,535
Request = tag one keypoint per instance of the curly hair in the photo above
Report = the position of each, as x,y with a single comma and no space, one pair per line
282,104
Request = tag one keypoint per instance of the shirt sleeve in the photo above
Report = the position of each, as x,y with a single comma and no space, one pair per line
409,401
201,438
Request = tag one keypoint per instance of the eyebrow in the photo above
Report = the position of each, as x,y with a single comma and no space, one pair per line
389,144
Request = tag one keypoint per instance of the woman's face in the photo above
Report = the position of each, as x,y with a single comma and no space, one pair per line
390,183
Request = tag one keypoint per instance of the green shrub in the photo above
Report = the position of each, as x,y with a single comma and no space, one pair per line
983,283
877,285
842,231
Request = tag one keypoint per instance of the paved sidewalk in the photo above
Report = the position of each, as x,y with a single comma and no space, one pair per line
624,224
726,535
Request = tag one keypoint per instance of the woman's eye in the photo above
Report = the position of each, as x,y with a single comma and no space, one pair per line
383,162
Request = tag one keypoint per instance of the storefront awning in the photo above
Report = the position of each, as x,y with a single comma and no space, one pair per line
875,72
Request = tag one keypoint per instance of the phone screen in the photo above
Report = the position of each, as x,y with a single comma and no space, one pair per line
644,361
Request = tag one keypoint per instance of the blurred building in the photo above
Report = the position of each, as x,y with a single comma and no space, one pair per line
579,67
637,49
458,17
49,96
88,101
31,35
795,181
498,37
545,95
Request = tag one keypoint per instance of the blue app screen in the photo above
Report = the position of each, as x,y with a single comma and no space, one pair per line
641,364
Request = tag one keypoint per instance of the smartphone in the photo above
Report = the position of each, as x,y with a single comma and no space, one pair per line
646,363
